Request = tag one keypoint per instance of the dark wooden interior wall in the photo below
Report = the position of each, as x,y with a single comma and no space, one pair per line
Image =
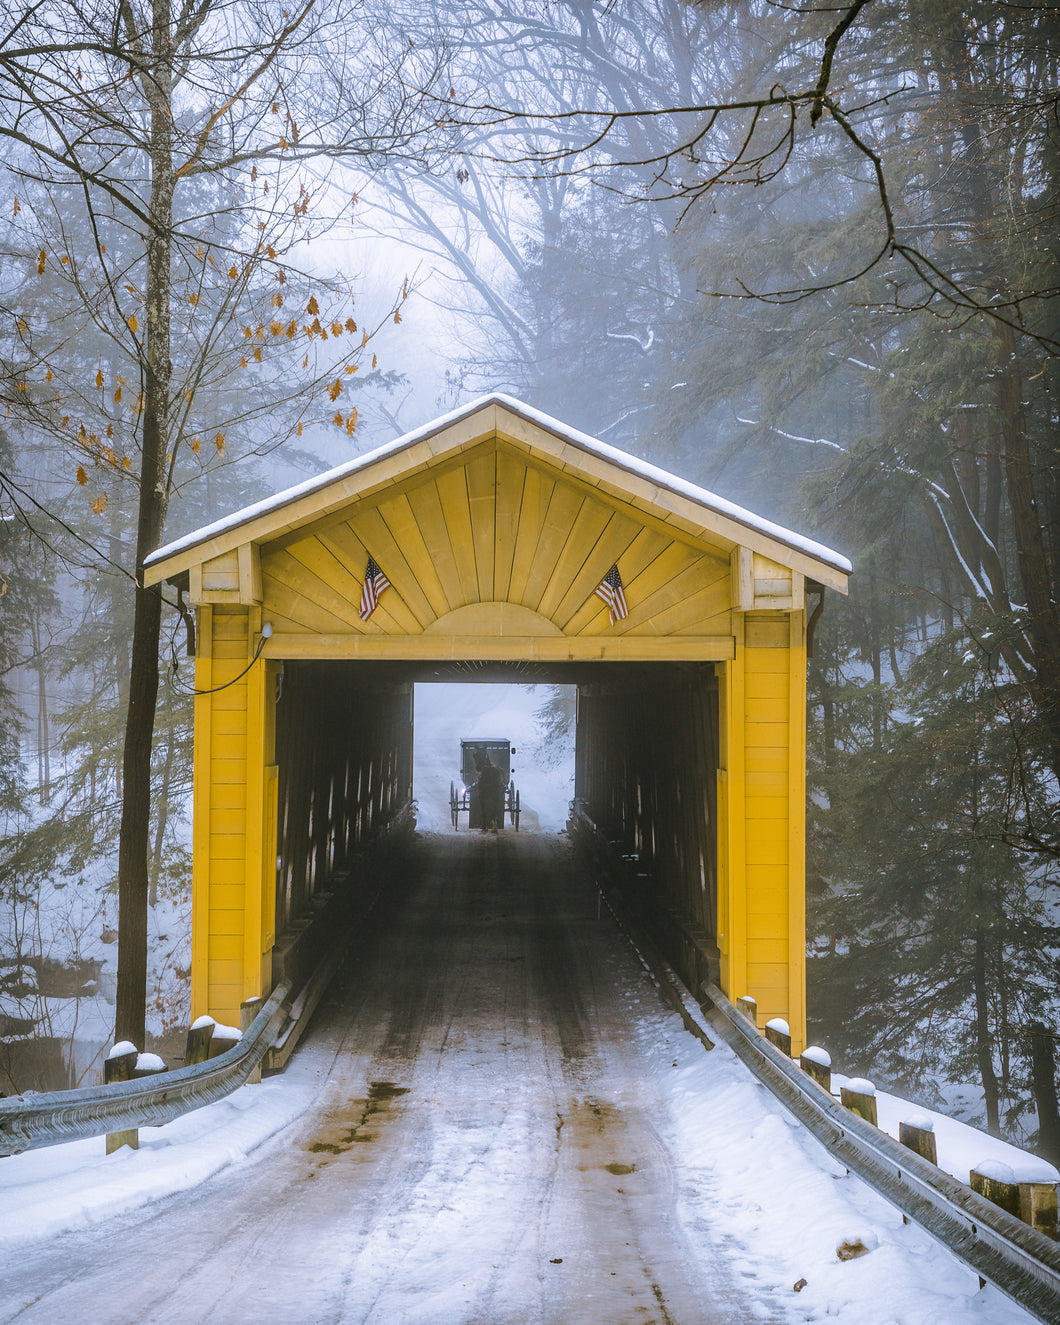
647,772
344,750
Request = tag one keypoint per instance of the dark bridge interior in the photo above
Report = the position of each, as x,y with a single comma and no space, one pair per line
646,760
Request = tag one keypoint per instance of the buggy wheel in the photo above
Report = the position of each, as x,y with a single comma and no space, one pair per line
454,805
515,808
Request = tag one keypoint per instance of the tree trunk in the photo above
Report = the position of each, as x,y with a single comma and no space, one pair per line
134,842
1043,619
983,1047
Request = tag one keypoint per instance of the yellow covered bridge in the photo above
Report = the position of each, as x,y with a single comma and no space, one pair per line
497,542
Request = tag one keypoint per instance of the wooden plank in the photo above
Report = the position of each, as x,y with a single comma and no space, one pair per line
703,612
227,821
665,581
559,517
290,602
591,618
229,626
226,922
511,479
579,549
227,897
202,879
481,477
369,533
439,647
317,576
613,542
774,808
227,796
452,491
768,632
225,971
426,504
228,746
399,518
228,846
249,556
228,770
537,492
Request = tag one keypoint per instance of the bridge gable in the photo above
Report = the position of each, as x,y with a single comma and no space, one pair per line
492,526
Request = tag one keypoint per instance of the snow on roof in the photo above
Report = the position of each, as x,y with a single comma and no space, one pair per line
622,459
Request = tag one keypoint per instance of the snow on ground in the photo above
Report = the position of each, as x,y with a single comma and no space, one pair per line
789,1205
447,713
750,1177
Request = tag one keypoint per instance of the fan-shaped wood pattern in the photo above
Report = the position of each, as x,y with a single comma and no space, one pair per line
492,525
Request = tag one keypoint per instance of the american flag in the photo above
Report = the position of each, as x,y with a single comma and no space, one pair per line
374,584
610,590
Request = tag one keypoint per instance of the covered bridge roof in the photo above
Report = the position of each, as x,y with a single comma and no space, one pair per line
615,474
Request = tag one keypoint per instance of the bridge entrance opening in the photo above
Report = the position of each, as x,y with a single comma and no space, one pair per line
532,727
633,746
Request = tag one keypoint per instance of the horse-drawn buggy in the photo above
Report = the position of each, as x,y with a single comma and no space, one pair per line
486,791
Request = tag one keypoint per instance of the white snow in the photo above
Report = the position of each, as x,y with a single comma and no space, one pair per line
815,1054
860,1085
779,1024
121,1048
995,1169
960,1147
750,1178
150,1063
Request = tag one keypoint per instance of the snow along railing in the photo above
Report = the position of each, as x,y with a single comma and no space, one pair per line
1016,1258
32,1121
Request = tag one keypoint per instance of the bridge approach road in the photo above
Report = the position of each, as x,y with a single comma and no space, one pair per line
485,1146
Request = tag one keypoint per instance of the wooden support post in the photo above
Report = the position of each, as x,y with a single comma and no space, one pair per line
247,1012
1037,1206
817,1063
996,1182
778,1034
120,1066
859,1096
199,1035
918,1134
749,1007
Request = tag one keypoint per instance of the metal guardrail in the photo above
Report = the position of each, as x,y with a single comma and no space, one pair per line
32,1121
1016,1258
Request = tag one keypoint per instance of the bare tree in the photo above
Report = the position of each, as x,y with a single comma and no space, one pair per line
139,109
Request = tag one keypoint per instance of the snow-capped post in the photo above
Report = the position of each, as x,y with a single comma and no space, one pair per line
248,1010
778,1033
817,1063
749,1007
917,1133
859,1096
119,1065
148,1065
200,1033
996,1181
223,1038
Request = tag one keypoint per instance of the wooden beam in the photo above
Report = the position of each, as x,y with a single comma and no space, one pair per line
624,648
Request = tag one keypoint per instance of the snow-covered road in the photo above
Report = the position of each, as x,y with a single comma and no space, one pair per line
508,1129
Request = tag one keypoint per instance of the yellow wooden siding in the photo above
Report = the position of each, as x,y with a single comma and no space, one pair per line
774,869
490,526
535,524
